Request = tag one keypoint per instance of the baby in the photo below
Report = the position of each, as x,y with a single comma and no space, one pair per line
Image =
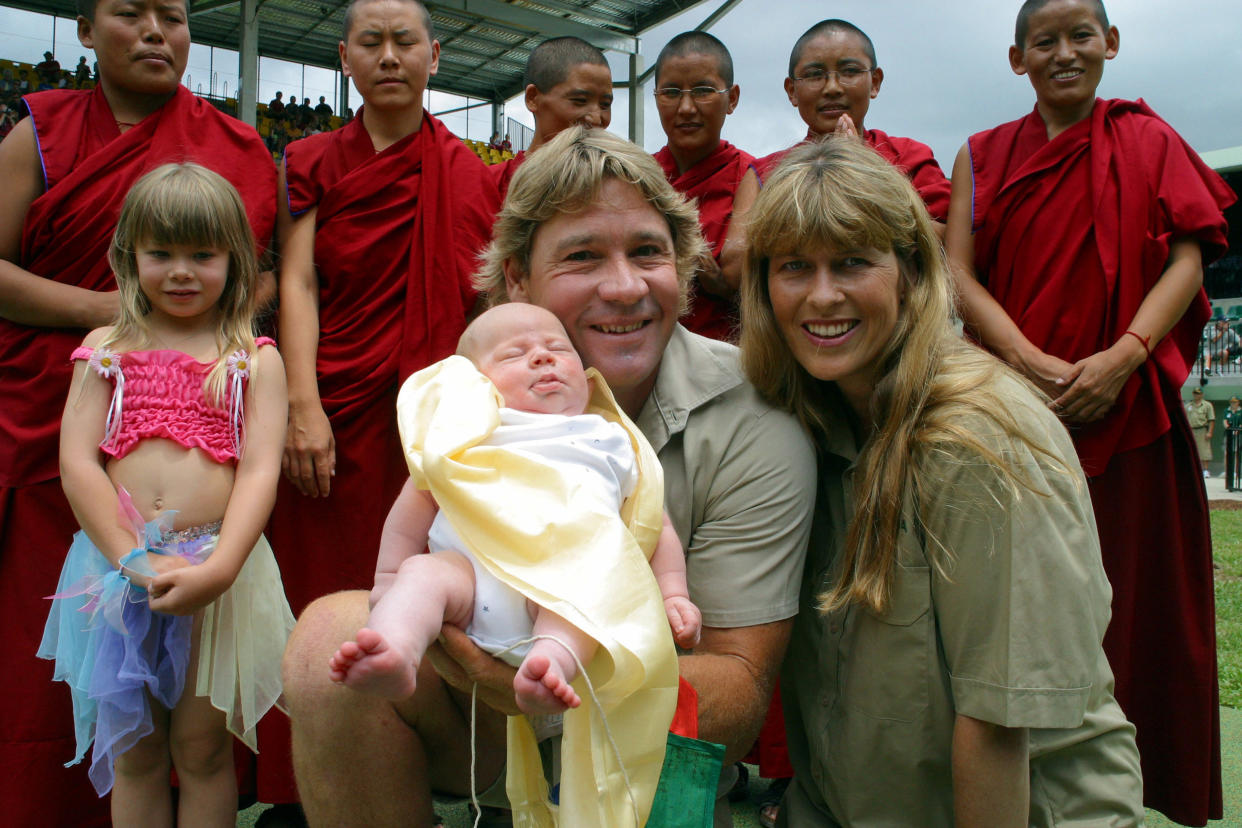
526,354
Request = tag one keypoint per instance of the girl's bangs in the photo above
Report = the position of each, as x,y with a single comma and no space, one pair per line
181,218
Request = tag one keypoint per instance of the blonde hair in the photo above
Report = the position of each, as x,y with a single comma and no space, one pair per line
187,204
840,195
565,176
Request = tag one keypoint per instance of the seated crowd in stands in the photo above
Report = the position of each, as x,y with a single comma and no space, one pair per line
17,79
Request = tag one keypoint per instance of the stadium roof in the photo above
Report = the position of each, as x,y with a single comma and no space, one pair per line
484,43
1228,160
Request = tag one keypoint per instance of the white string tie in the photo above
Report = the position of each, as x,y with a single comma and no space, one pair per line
616,751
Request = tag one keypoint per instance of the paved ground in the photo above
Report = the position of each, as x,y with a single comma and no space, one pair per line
1216,490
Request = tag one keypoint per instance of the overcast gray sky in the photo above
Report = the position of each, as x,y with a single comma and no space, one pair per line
946,67
946,70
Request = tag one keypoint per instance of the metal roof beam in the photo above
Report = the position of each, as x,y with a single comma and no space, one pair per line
212,5
548,25
586,14
711,20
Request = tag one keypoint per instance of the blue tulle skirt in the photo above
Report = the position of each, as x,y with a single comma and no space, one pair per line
117,656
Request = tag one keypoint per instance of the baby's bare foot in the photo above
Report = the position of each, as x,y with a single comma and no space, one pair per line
542,681
374,664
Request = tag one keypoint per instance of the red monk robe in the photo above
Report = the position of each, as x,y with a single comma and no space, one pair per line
502,173
397,234
88,166
912,157
1070,235
713,182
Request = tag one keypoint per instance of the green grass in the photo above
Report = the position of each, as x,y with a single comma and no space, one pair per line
1227,552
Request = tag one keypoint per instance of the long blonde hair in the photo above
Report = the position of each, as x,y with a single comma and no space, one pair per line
839,194
565,176
186,204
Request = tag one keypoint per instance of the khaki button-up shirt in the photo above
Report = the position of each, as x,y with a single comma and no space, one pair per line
1007,630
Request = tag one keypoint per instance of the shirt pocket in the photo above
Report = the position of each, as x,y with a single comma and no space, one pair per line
884,671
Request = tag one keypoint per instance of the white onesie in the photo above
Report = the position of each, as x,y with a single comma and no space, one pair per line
597,452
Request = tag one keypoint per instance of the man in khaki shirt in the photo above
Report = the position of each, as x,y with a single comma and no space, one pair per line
1202,417
739,487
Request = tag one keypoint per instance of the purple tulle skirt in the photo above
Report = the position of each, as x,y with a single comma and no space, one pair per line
115,654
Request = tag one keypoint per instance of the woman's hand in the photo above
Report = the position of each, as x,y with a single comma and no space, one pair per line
1091,387
462,664
310,450
186,590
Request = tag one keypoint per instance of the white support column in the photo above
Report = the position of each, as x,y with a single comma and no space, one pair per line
248,62
636,97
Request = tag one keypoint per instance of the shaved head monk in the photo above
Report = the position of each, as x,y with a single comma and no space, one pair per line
568,82
833,77
694,94
66,167
1087,224
379,225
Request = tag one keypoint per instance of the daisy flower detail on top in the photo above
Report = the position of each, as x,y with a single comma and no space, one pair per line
104,362
239,364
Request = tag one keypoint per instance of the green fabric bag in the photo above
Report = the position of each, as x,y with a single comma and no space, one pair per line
686,794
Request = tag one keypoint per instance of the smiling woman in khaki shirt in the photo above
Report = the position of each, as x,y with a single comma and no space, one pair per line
946,667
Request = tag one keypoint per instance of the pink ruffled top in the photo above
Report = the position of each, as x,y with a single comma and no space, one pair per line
160,394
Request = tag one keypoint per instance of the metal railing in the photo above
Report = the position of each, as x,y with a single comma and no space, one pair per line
1220,349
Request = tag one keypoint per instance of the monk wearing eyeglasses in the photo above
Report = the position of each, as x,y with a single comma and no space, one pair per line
694,93
833,77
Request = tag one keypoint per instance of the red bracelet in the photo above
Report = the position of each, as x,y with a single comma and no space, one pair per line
1145,342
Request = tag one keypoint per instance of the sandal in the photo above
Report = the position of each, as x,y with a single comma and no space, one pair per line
770,803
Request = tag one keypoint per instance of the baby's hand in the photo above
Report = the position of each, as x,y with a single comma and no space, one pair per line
685,619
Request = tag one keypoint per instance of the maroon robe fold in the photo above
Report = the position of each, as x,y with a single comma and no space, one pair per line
713,183
912,157
89,166
397,234
502,173
1070,236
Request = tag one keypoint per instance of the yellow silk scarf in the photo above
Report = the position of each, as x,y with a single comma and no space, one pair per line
519,517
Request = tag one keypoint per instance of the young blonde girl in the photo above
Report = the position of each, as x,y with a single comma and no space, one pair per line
170,619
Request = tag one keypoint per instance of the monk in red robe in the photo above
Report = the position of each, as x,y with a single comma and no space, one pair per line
694,93
833,77
66,168
379,225
568,82
1087,224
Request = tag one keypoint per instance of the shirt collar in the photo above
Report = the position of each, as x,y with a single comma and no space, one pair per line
693,371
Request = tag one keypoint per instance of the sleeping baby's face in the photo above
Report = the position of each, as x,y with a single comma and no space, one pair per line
525,352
